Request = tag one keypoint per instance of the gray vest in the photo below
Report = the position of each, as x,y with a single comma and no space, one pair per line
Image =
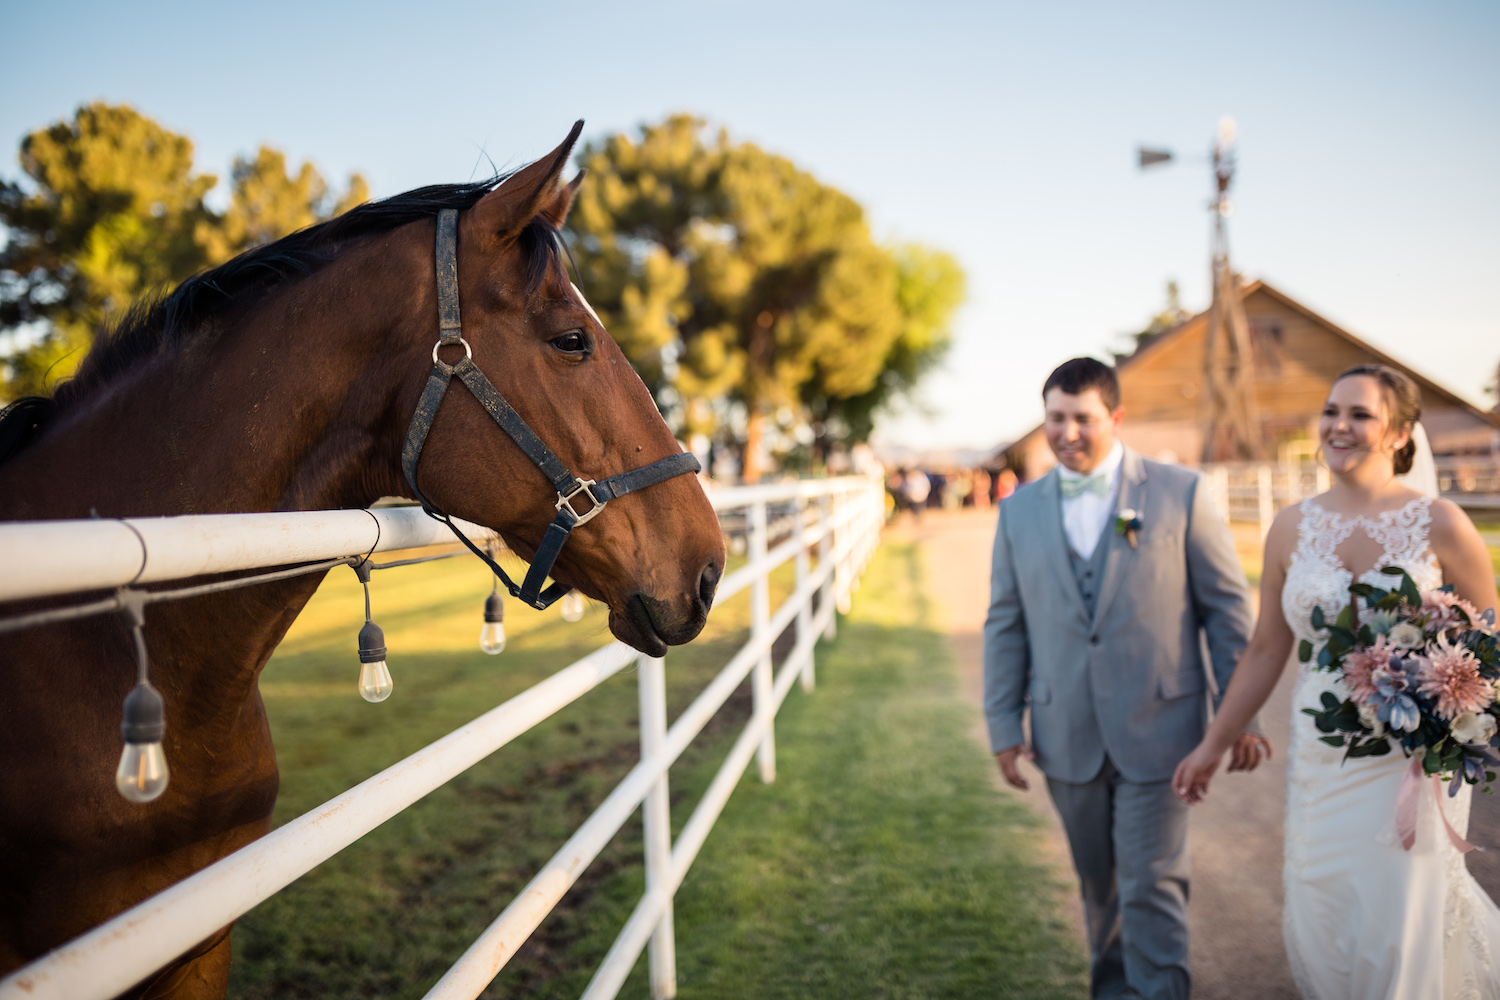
1090,572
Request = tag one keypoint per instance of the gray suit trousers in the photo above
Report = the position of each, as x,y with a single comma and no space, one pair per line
1129,843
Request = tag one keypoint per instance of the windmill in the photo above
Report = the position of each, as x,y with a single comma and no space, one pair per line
1231,423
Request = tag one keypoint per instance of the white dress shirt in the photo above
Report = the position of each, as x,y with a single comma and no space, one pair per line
1086,515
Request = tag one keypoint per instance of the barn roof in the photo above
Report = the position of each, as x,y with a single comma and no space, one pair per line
1430,389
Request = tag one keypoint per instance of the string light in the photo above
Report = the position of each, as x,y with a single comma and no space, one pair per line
142,775
492,633
374,676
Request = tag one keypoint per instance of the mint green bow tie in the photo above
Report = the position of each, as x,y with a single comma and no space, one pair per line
1096,484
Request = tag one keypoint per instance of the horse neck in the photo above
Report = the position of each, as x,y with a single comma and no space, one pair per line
292,405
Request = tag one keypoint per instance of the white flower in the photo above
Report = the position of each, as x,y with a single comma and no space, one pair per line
1406,635
1473,727
1370,720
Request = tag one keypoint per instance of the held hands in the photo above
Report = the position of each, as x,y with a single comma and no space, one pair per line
1010,768
1197,768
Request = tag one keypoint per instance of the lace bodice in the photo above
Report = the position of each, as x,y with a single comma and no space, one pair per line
1317,576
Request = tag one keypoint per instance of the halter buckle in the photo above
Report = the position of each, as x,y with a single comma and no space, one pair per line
566,500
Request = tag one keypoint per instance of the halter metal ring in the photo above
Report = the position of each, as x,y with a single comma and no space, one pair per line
467,352
567,501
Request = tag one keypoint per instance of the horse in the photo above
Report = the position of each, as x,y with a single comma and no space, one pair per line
285,380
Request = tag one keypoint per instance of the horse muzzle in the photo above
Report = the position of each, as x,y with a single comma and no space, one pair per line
651,625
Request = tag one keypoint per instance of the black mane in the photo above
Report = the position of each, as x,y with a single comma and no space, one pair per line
160,322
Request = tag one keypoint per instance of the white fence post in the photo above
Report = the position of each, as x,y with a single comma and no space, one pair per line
804,613
1220,483
845,532
656,823
760,625
825,551
1265,499
656,820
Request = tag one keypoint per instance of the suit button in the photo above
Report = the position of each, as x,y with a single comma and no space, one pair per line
1093,640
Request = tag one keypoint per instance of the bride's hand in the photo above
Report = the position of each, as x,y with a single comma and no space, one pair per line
1193,774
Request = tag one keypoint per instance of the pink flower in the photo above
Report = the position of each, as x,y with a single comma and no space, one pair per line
1450,674
1443,606
1360,665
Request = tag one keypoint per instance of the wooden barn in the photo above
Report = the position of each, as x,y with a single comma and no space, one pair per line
1295,356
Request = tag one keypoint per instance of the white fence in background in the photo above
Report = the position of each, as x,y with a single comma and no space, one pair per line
837,520
1256,491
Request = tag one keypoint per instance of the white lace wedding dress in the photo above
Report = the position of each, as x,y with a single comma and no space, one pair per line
1365,919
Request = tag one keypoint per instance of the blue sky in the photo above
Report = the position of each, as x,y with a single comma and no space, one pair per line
1004,133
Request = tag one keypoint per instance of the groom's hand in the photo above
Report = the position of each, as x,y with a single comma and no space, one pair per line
1247,752
1010,769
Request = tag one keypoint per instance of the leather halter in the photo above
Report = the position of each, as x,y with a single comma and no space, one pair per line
568,486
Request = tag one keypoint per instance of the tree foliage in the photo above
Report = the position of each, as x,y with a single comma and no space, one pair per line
114,210
732,277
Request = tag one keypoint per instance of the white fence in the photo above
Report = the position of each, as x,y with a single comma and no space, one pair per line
1255,491
837,519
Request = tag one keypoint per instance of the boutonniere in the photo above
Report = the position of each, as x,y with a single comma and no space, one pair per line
1127,523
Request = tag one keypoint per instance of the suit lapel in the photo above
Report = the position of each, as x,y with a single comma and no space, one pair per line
1119,554
1057,539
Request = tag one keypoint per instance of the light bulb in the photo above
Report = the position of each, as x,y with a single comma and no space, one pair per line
572,606
142,774
492,638
492,635
374,676
374,681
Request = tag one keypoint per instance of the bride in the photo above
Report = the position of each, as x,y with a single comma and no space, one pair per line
1364,917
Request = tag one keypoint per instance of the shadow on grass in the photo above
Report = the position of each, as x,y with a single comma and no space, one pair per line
880,864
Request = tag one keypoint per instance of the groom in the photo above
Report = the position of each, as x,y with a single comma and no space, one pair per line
1107,571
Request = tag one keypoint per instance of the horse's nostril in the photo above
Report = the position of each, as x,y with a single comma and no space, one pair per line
708,582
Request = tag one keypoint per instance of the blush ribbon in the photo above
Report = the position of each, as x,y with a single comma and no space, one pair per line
1406,809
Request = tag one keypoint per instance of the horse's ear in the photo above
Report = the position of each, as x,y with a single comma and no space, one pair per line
562,200
531,191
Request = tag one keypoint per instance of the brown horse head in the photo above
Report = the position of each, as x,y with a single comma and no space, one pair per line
286,379
654,556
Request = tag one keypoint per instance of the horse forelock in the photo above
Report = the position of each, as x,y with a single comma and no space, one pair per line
162,321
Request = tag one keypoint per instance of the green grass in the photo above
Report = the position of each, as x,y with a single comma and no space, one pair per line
881,863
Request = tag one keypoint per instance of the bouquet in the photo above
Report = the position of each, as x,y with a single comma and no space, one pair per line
1422,670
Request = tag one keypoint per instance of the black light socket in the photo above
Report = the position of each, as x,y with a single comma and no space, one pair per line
371,643
494,608
145,715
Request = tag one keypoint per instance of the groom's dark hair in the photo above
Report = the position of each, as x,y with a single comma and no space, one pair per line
1081,374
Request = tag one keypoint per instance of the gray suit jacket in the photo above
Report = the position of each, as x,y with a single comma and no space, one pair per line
1131,681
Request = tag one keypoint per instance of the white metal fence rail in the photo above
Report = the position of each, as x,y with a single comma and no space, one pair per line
1256,491
839,519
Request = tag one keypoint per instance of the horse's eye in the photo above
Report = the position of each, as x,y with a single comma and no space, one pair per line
572,342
